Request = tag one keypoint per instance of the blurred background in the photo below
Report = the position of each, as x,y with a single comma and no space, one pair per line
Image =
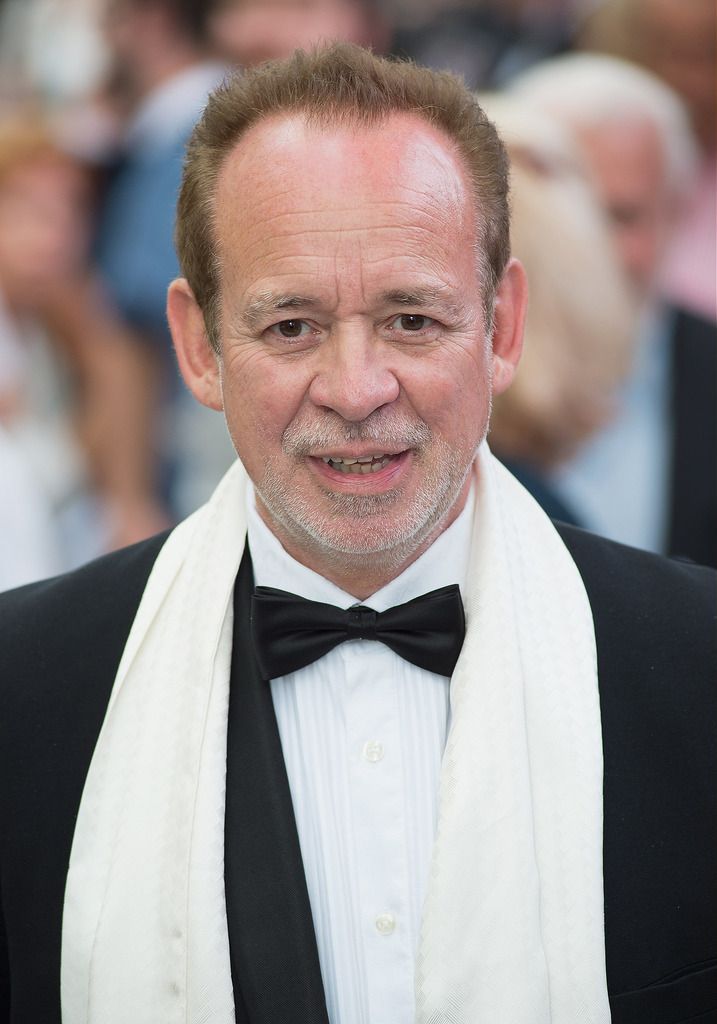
608,110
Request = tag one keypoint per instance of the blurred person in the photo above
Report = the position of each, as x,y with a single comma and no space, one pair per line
67,376
250,31
581,316
648,478
362,801
29,548
165,66
678,42
487,42
50,49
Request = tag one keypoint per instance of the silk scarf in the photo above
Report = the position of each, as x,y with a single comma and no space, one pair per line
512,929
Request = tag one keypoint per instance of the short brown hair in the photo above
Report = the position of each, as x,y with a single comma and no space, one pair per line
333,85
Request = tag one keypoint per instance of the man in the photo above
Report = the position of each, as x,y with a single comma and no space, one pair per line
648,478
248,32
675,41
164,61
277,825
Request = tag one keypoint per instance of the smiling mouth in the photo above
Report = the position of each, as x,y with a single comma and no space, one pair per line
361,466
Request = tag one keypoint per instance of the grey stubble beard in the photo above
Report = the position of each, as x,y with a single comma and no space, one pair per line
395,542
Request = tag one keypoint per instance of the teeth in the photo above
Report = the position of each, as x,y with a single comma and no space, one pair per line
361,466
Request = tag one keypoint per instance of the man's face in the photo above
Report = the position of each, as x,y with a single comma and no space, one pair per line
355,368
630,174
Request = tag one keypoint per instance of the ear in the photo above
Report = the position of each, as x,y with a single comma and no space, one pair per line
511,302
198,362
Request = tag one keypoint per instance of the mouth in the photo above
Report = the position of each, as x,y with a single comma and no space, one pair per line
361,465
367,471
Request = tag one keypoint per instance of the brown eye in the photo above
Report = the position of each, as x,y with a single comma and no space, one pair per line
413,322
291,328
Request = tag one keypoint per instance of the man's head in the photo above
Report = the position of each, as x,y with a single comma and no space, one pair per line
150,40
636,139
345,249
339,85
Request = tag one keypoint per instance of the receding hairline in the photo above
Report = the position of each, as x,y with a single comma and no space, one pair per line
325,125
339,84
326,122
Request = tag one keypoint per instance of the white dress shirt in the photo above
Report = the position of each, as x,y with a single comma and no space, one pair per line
363,734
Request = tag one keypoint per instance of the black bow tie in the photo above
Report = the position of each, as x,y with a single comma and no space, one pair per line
290,632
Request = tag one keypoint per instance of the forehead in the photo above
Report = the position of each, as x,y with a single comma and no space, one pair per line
295,191
287,149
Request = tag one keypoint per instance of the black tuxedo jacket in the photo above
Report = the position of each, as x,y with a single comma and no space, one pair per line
655,626
692,529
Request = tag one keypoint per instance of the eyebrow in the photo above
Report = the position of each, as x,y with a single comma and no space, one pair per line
266,305
420,297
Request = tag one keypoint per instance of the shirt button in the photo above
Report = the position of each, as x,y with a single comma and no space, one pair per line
385,924
373,751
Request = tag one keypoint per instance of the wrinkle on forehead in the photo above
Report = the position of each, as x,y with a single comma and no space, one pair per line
317,168
341,213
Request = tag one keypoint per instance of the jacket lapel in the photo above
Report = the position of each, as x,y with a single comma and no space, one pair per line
274,959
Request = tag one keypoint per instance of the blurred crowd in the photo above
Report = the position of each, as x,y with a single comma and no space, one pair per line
607,108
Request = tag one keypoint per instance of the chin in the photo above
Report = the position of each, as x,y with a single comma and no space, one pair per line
348,526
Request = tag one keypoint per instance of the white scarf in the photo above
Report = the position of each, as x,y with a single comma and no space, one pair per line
512,928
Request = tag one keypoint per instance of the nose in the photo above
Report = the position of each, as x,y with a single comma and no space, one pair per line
353,379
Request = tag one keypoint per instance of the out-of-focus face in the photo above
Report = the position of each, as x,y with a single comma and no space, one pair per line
628,166
251,31
356,369
43,228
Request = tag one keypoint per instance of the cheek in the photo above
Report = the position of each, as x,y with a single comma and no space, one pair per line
454,397
261,397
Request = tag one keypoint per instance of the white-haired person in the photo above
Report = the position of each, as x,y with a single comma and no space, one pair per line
676,41
581,317
648,478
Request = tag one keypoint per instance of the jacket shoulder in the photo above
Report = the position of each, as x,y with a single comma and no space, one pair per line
56,624
62,641
656,638
639,595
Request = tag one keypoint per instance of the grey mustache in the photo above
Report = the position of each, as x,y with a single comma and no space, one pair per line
300,439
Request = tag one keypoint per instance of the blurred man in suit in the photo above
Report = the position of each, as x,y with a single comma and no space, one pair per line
647,479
